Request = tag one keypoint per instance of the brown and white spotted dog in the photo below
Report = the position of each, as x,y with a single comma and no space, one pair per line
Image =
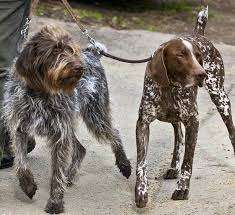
171,82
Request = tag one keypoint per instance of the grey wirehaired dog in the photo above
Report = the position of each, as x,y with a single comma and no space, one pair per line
52,83
171,83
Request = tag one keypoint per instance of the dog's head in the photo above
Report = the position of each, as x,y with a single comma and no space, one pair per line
178,63
50,61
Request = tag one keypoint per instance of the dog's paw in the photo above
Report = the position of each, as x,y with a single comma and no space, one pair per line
30,190
54,207
27,183
141,199
171,174
180,194
125,168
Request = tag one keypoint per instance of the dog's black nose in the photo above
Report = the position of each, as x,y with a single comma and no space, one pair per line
78,69
200,78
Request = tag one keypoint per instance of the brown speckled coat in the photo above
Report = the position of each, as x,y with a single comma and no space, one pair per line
176,105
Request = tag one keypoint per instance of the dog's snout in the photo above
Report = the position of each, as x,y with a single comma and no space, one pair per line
199,72
78,69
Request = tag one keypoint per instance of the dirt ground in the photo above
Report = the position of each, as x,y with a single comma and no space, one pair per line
167,18
100,188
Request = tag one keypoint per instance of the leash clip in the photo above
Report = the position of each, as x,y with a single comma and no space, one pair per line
99,47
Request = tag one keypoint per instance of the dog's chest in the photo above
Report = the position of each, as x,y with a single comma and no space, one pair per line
169,104
50,115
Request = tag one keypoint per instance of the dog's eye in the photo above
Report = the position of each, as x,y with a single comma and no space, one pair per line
179,55
184,52
66,80
57,50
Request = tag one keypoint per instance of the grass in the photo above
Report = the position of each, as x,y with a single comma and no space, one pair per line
176,6
41,10
84,13
136,6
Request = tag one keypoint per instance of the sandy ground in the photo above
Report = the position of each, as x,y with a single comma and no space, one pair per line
100,188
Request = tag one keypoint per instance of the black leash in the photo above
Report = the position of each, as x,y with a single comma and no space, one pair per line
92,40
125,60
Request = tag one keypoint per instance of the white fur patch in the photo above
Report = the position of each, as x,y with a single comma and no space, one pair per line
182,184
98,46
142,175
190,47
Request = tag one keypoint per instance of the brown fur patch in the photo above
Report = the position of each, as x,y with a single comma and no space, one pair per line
50,62
27,182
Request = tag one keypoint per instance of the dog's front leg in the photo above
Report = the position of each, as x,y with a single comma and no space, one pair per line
191,132
78,154
24,174
173,172
142,140
59,157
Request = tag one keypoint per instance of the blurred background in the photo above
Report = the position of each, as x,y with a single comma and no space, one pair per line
169,16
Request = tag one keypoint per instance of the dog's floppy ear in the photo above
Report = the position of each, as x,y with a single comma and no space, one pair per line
24,63
198,53
27,69
158,69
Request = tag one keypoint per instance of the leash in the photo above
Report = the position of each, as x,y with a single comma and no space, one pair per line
92,40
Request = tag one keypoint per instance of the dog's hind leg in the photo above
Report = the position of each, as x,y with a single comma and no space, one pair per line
98,121
215,87
173,172
59,155
24,174
79,153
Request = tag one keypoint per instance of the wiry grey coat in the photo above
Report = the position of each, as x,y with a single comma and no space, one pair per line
36,113
29,113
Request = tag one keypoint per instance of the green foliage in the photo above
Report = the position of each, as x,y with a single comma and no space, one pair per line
40,11
175,6
92,14
135,6
119,22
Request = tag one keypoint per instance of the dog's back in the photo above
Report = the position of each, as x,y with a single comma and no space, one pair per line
212,59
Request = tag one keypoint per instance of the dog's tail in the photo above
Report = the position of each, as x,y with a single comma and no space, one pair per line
97,48
201,22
